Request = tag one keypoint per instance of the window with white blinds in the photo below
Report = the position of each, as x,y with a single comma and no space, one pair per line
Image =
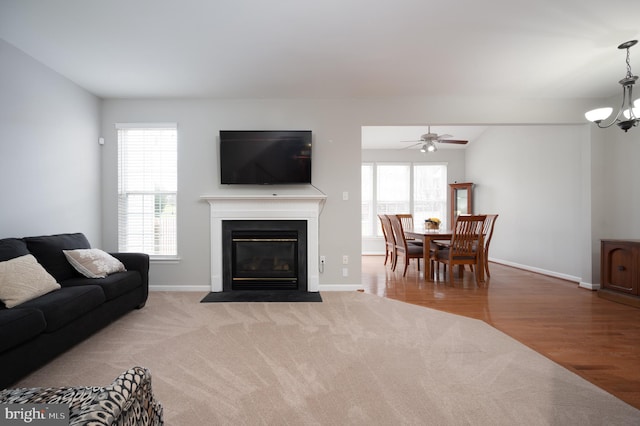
147,188
391,188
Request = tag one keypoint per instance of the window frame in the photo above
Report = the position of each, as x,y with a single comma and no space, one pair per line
124,195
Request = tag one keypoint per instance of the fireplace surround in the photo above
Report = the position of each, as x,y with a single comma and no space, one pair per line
272,207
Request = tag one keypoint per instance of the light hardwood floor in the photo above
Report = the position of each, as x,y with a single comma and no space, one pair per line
593,337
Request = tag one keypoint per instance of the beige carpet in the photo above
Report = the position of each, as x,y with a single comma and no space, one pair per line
353,359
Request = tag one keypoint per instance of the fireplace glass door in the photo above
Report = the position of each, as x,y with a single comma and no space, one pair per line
264,257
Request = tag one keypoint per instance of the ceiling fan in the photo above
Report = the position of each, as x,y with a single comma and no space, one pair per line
428,140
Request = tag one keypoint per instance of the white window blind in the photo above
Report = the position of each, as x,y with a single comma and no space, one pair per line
147,188
430,192
388,188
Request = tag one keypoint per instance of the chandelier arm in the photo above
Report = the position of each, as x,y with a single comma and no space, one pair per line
616,119
632,115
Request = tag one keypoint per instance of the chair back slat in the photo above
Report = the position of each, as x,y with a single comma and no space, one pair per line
407,220
467,235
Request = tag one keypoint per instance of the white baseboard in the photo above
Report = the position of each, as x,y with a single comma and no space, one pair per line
198,288
340,287
538,270
356,287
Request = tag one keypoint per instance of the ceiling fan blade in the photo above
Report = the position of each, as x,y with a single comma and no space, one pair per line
445,136
456,141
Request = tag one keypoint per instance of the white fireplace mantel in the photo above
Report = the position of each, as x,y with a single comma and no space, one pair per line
266,207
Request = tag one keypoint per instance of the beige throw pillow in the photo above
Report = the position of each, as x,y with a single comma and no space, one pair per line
93,263
23,279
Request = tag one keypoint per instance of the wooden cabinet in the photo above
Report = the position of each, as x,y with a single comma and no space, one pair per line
460,200
620,271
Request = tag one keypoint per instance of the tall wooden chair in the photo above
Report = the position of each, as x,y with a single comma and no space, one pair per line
389,240
467,245
406,250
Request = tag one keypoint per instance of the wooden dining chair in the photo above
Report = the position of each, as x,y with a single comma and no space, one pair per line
402,248
407,223
389,240
463,250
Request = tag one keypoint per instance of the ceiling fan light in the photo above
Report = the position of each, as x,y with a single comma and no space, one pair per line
599,114
431,147
424,148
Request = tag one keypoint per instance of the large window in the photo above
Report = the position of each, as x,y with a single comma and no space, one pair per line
147,188
429,192
391,188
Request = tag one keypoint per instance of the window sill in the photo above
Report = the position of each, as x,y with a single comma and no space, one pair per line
164,259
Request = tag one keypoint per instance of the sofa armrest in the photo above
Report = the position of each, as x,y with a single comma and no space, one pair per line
128,400
136,262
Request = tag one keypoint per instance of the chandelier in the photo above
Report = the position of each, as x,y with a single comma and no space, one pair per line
627,116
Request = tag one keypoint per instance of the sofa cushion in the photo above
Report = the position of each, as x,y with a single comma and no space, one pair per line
93,263
11,248
19,325
113,285
48,250
22,279
67,304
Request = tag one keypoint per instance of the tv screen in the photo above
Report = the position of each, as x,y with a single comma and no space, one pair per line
264,157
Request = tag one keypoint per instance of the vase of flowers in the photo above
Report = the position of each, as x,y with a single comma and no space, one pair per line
432,223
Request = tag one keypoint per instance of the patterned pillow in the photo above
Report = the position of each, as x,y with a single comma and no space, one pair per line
23,279
93,263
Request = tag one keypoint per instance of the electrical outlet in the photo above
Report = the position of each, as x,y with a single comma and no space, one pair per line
345,259
345,272
345,196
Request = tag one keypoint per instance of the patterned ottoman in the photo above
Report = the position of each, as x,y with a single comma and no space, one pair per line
127,401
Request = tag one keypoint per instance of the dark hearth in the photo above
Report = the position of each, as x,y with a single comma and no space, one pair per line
262,296
264,255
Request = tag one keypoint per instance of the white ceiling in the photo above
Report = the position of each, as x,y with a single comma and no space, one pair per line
329,48
395,137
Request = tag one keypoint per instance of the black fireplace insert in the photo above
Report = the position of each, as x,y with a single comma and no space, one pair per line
264,255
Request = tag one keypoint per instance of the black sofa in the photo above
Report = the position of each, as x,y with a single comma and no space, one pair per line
34,332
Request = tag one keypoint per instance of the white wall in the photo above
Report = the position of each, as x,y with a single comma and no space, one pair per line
49,152
583,179
533,177
336,147
621,152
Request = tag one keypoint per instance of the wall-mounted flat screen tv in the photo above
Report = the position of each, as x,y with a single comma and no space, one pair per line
265,157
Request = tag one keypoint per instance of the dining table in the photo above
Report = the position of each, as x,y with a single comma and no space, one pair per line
429,235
